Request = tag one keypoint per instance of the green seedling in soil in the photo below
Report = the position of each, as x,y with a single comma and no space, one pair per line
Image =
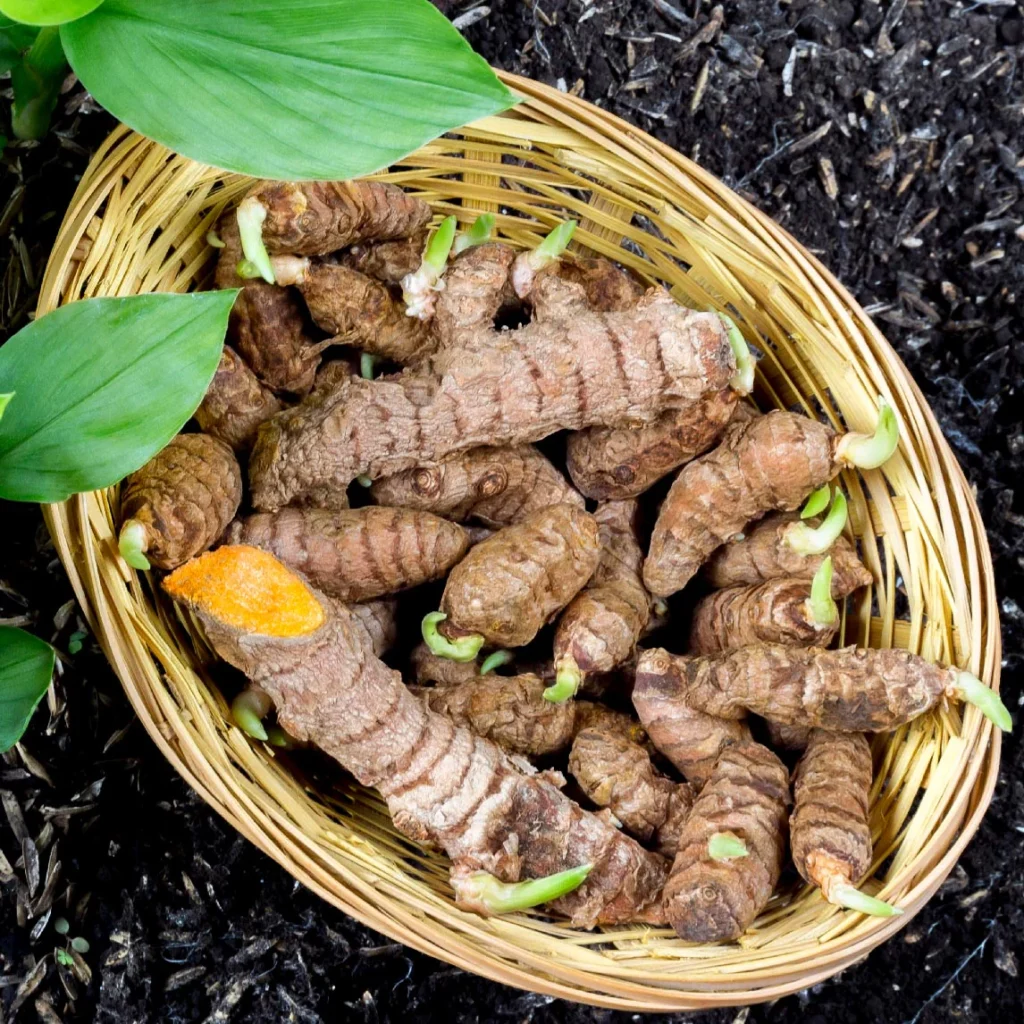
485,892
419,289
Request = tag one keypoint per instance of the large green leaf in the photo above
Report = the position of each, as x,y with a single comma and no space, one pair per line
100,386
26,665
47,12
283,88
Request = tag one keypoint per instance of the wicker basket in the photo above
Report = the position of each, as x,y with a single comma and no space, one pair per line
138,224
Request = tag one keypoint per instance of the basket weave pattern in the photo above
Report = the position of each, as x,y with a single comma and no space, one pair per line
138,224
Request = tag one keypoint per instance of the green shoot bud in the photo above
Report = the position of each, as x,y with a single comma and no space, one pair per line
367,364
555,244
212,238
364,481
277,737
484,892
817,501
495,660
132,543
248,710
250,215
528,264
847,896
972,690
742,381
807,540
419,290
466,648
477,233
822,608
869,451
567,681
247,270
726,846
5,401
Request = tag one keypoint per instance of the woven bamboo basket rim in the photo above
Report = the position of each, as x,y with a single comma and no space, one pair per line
138,223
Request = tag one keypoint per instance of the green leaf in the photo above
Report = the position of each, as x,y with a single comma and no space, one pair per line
101,386
288,89
47,12
26,667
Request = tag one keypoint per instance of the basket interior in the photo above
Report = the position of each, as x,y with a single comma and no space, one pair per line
138,224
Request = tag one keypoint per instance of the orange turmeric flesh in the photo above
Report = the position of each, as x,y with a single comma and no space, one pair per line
248,589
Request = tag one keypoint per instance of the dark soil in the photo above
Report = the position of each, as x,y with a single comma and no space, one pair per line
916,110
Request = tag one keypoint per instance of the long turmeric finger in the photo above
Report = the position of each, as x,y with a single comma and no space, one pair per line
829,830
354,308
442,784
617,773
599,629
691,739
771,466
497,486
623,462
236,403
764,553
713,895
388,262
510,710
847,690
314,218
493,388
779,612
356,554
267,324
509,585
179,503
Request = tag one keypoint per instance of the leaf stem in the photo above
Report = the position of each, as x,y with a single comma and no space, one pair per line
808,540
133,542
485,893
466,648
250,215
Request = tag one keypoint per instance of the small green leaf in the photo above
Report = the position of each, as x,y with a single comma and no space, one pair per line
102,386
63,957
61,926
284,89
80,945
75,641
26,667
47,12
